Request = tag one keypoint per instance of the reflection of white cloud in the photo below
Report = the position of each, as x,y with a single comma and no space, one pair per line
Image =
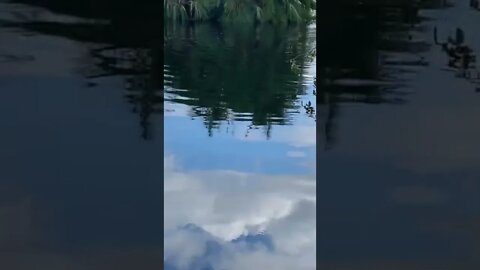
229,204
262,260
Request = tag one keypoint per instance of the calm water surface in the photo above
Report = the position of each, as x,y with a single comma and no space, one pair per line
80,187
81,109
398,184
240,147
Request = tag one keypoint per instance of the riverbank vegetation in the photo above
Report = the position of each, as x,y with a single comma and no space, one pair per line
273,11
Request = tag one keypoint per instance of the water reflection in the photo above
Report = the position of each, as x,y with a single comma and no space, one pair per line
250,178
115,10
241,220
387,51
78,189
202,68
273,64
257,82
400,188
231,73
133,55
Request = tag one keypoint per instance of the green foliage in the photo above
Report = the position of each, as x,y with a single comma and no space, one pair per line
237,72
275,11
188,9
174,9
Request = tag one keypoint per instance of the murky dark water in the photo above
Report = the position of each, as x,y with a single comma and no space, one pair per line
80,186
398,184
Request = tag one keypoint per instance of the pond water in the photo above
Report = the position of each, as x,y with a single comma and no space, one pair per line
240,147
80,187
82,110
390,135
398,184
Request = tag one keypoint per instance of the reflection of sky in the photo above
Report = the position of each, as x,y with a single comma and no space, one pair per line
235,146
252,199
231,219
238,200
234,187
189,140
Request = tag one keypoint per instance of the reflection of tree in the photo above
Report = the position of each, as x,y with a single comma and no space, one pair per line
230,73
131,54
139,70
234,73
356,55
137,66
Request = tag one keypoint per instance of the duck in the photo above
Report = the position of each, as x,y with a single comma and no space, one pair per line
308,107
